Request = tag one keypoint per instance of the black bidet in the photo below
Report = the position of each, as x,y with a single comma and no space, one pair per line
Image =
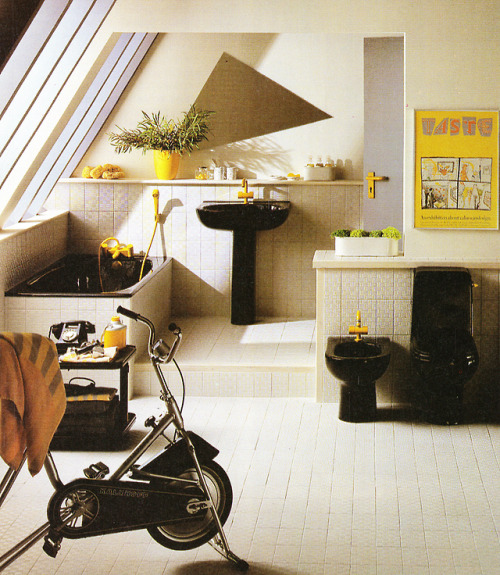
357,365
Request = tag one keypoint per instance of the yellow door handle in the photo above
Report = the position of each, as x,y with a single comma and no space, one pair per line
372,178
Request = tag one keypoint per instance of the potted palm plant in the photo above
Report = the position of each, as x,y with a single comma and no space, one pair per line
169,139
362,243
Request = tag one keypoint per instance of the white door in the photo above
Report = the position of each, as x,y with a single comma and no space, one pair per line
384,131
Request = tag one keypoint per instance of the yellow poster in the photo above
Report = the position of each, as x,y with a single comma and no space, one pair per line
456,169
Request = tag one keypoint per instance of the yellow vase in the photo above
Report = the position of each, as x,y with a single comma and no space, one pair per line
166,164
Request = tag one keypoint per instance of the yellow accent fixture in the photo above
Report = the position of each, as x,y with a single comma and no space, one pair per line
372,178
166,164
156,203
114,251
358,329
126,250
105,244
245,194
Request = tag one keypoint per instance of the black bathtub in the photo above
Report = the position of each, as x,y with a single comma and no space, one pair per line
78,275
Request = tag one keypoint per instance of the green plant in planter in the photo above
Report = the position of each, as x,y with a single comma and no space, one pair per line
156,132
359,234
391,232
340,234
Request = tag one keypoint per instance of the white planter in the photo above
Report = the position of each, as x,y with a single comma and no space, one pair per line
366,247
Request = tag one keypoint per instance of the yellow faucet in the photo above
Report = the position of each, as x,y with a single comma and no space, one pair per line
358,329
245,194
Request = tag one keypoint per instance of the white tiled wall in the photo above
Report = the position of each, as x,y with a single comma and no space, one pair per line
27,248
202,257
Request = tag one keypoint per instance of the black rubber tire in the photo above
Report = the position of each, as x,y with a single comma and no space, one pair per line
191,534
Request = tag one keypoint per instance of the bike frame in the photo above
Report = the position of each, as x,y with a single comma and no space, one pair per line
159,353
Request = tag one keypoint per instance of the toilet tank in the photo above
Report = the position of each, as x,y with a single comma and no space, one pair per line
442,300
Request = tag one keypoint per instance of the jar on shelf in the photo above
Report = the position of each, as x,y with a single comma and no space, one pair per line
201,173
231,173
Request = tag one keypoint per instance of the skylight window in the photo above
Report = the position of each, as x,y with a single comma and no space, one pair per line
30,84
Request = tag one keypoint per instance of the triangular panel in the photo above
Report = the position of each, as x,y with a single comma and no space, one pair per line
249,104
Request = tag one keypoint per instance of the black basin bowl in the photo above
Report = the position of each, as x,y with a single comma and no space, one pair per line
357,361
256,215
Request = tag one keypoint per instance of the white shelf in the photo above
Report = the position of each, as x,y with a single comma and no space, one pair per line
193,182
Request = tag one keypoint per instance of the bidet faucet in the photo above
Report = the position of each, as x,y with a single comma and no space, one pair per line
245,194
358,329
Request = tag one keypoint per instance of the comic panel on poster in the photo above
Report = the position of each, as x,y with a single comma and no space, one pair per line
456,183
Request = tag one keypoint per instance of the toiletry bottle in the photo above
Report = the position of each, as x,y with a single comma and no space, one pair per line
319,162
115,333
310,162
328,162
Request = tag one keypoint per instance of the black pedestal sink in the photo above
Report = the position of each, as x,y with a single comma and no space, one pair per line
244,220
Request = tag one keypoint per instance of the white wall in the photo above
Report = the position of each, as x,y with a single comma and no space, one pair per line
452,57
326,70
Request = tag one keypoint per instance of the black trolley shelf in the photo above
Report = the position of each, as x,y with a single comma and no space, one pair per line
111,434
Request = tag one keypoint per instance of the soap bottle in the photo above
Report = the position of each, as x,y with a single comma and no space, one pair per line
115,333
319,162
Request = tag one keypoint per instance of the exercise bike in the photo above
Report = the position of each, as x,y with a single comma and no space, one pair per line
181,495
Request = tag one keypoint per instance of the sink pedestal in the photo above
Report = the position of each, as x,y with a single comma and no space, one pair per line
243,284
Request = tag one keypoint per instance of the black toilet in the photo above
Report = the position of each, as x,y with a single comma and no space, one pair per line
443,352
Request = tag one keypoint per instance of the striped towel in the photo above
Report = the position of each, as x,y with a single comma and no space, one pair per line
32,397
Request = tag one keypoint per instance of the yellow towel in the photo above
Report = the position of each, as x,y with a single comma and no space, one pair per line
32,397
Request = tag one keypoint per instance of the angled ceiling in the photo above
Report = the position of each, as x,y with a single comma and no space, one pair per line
249,104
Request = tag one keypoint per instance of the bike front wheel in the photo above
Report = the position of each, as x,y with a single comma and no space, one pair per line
189,534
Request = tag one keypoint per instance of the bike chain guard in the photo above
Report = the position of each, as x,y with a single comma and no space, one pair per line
88,507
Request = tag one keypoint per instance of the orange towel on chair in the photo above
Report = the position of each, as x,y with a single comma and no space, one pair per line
32,397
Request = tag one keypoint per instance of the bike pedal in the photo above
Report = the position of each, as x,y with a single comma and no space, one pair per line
96,471
52,543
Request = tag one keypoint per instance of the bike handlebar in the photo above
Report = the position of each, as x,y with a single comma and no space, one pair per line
156,349
127,313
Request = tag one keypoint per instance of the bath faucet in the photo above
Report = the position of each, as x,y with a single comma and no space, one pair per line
358,329
245,194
